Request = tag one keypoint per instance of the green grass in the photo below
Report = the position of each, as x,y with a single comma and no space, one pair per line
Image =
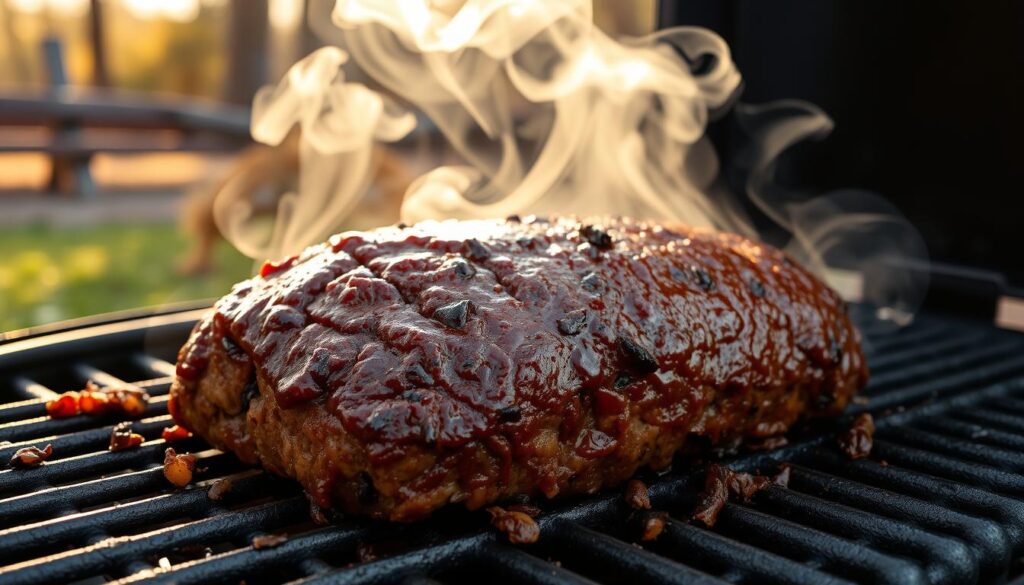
49,273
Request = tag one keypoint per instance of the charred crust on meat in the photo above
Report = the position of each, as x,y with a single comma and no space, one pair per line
623,379
232,349
573,322
510,414
454,315
703,279
677,275
460,267
835,350
249,391
364,490
756,287
638,358
475,251
596,236
592,282
418,375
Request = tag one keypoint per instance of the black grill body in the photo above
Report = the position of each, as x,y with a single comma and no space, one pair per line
940,500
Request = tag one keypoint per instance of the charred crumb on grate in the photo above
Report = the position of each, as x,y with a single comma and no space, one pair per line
220,489
519,527
573,322
856,442
268,541
638,357
781,479
719,483
653,525
31,457
455,315
475,251
122,437
596,236
637,496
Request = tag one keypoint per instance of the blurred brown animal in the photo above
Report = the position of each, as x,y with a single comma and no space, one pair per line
262,174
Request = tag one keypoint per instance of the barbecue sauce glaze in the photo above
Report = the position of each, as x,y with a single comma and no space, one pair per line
460,334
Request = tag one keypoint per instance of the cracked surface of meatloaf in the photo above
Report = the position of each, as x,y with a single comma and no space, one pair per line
394,371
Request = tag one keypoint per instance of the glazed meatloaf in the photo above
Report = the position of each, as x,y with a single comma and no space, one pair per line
394,371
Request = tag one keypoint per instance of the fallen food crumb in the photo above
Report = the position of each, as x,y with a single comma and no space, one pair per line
30,457
164,563
519,527
175,433
268,541
637,495
719,483
63,406
122,437
782,478
95,400
654,524
178,468
219,489
856,441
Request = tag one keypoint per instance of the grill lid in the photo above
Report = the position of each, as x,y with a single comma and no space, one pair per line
941,500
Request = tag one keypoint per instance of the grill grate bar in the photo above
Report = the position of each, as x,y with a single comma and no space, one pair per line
722,555
974,432
107,556
940,365
955,447
944,466
97,439
617,560
893,360
520,567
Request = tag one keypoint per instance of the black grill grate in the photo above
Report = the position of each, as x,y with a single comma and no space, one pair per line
941,500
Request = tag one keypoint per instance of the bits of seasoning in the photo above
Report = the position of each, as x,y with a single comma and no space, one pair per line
592,282
31,457
475,251
220,488
510,414
835,350
514,218
178,468
639,358
719,483
653,525
175,433
268,541
596,236
455,314
622,379
122,437
703,279
520,528
756,287
637,496
573,322
856,441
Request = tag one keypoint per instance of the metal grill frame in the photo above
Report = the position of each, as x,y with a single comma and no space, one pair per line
941,500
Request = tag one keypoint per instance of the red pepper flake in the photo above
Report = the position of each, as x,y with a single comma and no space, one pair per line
270,267
178,468
519,527
122,437
268,541
64,406
637,496
857,441
31,457
175,433
719,483
219,489
654,524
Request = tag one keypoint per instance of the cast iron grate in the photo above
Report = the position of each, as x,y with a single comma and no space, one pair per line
941,500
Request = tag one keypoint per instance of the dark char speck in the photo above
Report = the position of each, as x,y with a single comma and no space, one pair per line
573,322
639,358
596,236
475,251
454,315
